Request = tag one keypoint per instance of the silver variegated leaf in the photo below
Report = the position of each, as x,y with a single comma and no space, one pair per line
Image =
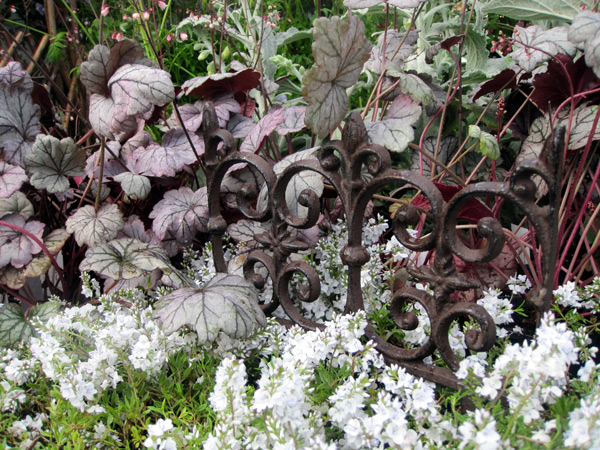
135,186
398,47
54,242
227,303
396,131
11,179
18,203
533,45
17,247
262,129
91,228
14,327
293,120
585,31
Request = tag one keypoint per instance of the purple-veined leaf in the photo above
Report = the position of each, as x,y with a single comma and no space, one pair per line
340,50
12,76
92,229
262,129
533,45
293,120
361,4
134,228
18,248
11,179
14,327
396,131
135,186
51,161
112,166
227,303
585,31
413,85
40,264
212,85
170,157
123,259
245,231
103,120
225,105
307,179
183,212
240,126
18,203
397,49
140,139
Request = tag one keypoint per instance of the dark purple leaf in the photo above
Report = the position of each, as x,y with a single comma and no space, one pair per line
210,86
504,80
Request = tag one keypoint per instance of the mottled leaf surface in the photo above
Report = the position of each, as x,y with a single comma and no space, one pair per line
170,157
135,186
123,259
340,50
11,179
240,126
262,129
533,45
92,229
235,179
293,120
396,49
11,277
14,328
52,160
183,212
528,10
18,248
585,31
396,131
12,76
225,105
227,303
18,203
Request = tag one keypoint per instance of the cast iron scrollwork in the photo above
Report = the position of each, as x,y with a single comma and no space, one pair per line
343,163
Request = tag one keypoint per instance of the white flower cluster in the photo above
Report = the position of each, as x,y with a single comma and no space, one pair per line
567,295
83,348
16,370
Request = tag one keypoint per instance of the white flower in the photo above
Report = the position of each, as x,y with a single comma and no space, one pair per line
160,427
567,295
519,284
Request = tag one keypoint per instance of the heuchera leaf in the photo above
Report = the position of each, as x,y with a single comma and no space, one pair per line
135,186
340,50
397,49
225,105
18,203
213,85
183,212
413,85
170,157
240,126
488,145
54,242
11,179
125,87
528,10
92,229
123,259
14,328
395,132
18,248
227,303
504,80
11,277
585,31
19,117
293,120
51,161
262,129
533,45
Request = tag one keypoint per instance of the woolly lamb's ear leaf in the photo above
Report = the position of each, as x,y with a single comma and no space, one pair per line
393,49
170,157
183,212
262,129
533,45
135,186
51,161
92,229
227,303
293,120
14,328
340,50
18,203
585,31
11,179
123,259
54,242
396,131
18,248
528,10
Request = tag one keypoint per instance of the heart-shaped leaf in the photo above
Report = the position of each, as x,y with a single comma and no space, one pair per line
51,161
17,247
14,328
123,259
170,157
227,303
293,120
18,203
585,31
396,131
182,212
92,229
398,47
135,186
240,126
224,105
340,50
11,179
262,129
533,45
488,145
212,85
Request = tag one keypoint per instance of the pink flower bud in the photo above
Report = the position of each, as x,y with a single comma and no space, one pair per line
135,16
105,10
183,36
146,15
162,5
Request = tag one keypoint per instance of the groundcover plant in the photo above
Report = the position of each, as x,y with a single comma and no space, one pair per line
116,330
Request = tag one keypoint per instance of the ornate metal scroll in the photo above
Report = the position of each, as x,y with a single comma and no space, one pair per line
341,164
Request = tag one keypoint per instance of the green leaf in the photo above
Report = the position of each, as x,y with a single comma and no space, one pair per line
123,259
44,311
91,228
340,50
585,31
488,145
14,328
414,86
18,203
51,161
227,303
476,52
396,131
135,186
528,10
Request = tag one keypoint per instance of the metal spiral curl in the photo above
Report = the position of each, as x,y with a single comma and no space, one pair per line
258,281
308,292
